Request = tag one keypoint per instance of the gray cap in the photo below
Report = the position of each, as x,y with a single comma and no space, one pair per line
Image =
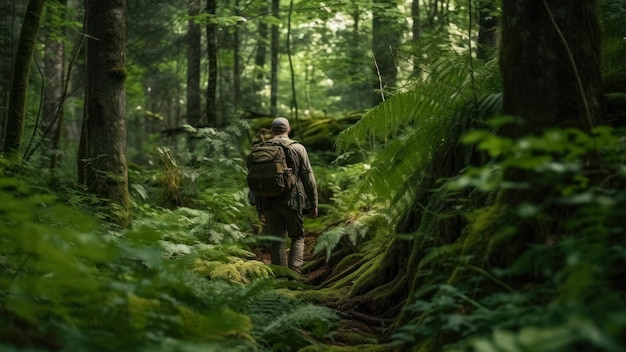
280,124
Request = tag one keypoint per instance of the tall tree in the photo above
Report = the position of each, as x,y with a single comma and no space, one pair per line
387,31
487,29
294,98
212,51
416,28
237,61
260,56
562,41
275,45
102,154
194,37
54,76
21,72
550,64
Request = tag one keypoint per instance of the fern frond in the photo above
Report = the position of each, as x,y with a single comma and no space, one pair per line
411,129
328,240
288,327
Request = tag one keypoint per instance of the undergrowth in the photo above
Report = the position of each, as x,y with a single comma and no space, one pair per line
181,278
562,293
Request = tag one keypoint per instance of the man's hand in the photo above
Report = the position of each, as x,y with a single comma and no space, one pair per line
313,213
261,216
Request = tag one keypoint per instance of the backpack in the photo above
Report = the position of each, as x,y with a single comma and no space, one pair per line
269,174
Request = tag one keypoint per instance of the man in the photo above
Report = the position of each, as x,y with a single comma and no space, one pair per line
286,213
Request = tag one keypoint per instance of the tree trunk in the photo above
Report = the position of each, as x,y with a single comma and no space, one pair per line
386,36
487,29
416,28
416,31
237,63
103,142
54,92
550,63
274,53
19,84
260,60
294,97
211,34
194,37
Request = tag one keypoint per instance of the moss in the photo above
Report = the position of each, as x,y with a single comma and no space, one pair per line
323,296
382,268
118,73
346,262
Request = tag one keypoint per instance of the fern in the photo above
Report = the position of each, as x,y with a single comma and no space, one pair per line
413,128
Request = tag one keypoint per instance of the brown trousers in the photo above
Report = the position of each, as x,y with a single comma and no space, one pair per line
278,221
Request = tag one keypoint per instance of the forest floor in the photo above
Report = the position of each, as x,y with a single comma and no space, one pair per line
354,328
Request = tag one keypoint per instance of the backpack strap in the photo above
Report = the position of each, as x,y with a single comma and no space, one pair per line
285,143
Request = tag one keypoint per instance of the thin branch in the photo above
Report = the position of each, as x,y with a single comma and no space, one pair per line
380,78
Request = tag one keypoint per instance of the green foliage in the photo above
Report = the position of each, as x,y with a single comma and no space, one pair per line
564,292
69,282
411,130
356,231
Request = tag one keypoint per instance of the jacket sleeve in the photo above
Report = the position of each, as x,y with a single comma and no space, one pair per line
306,176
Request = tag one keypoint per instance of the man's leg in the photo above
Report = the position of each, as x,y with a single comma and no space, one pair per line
296,254
295,229
277,250
275,227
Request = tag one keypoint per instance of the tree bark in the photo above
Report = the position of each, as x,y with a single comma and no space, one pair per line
274,54
194,37
19,84
487,29
211,33
416,30
294,96
550,64
237,66
387,31
416,27
54,91
260,60
103,142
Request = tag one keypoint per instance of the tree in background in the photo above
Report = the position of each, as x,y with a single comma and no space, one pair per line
260,59
102,154
237,60
388,26
274,47
19,83
194,39
212,55
487,29
562,41
416,27
560,44
54,81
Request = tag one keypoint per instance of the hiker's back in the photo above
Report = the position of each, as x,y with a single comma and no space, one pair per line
270,168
